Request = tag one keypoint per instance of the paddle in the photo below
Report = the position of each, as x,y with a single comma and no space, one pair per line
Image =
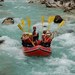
60,25
23,22
20,27
29,23
32,42
24,31
50,20
42,20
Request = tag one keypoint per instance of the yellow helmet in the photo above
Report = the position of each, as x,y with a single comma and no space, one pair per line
30,33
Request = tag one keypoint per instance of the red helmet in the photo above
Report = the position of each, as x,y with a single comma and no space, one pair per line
34,27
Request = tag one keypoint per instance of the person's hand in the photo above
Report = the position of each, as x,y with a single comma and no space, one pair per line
55,32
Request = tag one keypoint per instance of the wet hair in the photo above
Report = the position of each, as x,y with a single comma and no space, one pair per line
34,27
44,32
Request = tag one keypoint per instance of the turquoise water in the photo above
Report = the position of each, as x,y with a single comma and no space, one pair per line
12,59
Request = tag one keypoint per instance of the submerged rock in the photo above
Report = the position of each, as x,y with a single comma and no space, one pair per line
2,41
8,21
70,31
44,26
1,5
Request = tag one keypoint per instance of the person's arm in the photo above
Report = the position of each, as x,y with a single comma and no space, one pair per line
53,34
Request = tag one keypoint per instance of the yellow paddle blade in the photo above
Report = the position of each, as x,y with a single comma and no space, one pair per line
51,19
30,33
61,24
23,22
20,27
29,23
42,19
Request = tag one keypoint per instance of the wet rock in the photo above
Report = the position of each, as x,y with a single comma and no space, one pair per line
48,5
43,1
70,31
8,21
44,26
30,2
2,41
1,5
58,19
1,0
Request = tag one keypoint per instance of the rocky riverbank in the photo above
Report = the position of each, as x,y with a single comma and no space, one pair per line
66,5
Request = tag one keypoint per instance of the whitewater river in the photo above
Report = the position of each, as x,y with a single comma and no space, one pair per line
12,59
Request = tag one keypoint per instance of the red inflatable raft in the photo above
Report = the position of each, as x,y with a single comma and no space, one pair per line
37,51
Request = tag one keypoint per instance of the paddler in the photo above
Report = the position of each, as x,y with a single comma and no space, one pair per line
35,35
47,38
26,39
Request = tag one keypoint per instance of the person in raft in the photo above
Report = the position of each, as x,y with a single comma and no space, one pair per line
26,40
47,37
35,36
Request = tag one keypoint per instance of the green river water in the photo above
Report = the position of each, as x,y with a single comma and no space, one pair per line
12,59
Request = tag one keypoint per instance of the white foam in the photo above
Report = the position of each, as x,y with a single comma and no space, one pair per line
67,39
62,65
40,27
11,47
72,51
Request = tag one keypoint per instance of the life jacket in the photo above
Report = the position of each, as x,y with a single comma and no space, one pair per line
35,35
48,39
43,37
38,42
28,40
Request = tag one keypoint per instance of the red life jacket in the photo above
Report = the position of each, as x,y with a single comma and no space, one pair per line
48,39
28,40
38,42
35,36
35,33
43,37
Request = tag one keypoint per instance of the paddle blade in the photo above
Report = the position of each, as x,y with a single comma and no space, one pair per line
42,19
51,19
29,23
23,23
61,24
20,27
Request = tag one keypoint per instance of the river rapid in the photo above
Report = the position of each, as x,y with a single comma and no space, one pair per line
12,59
